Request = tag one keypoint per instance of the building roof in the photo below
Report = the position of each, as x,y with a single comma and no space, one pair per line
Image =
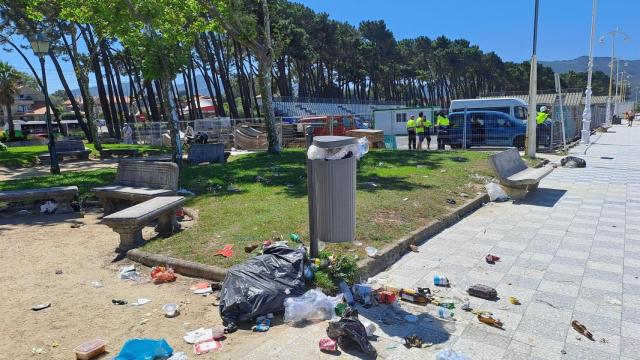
569,99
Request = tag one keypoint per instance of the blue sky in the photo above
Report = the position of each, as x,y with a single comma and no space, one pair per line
503,26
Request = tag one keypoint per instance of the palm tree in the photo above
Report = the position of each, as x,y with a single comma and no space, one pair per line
11,80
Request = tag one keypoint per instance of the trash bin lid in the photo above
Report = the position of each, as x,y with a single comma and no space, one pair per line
327,142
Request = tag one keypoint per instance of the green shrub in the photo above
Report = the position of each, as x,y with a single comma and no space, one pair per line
3,147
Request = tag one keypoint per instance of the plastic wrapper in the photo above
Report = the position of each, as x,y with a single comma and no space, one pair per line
160,274
313,305
349,332
147,349
260,285
496,193
449,354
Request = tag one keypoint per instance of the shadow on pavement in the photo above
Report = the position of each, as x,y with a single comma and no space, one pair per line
542,197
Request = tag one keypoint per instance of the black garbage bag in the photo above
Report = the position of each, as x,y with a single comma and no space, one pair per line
259,285
349,331
580,163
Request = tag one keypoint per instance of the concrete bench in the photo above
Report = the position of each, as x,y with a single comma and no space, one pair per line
129,222
202,153
515,175
68,148
108,153
138,181
61,195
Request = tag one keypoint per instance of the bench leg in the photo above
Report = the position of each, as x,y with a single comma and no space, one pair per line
515,193
130,238
532,187
167,223
107,205
64,206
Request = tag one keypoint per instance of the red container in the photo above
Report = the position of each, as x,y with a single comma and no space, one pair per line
387,297
327,344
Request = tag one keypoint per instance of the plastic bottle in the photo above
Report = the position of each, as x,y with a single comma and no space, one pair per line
346,292
445,313
440,280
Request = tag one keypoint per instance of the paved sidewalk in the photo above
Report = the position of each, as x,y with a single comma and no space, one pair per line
571,251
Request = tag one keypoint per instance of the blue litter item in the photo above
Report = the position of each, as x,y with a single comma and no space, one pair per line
390,142
145,349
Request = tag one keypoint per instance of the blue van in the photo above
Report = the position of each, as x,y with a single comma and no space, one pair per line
492,128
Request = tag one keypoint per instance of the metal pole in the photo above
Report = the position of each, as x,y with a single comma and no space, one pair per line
313,236
564,134
533,89
586,113
613,54
53,154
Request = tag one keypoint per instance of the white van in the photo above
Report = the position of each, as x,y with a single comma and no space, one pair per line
515,107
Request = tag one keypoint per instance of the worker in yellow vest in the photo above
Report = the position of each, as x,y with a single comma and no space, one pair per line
543,115
411,132
420,130
442,122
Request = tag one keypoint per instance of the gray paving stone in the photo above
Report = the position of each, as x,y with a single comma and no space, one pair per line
630,347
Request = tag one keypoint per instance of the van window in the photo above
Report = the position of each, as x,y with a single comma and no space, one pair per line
456,121
401,118
520,112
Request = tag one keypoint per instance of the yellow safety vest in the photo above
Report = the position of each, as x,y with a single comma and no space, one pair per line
442,121
411,124
541,117
420,125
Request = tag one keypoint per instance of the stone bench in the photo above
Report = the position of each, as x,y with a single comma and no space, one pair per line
129,222
206,153
514,174
138,181
61,195
108,153
67,148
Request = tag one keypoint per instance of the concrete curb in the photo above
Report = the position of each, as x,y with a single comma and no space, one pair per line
393,252
182,267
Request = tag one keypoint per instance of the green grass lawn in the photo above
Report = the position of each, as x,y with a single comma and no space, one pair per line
235,208
411,191
26,156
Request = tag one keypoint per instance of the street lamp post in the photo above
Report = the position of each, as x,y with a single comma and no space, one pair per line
40,46
586,114
613,35
533,89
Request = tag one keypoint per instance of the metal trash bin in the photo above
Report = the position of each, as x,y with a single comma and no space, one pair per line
332,193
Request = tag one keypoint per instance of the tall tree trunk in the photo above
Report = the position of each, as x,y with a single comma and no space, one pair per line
265,59
89,40
253,86
12,128
226,84
214,77
112,99
72,99
171,118
151,98
195,88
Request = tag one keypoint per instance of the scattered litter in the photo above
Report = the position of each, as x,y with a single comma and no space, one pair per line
54,344
563,352
603,340
451,202
144,349
129,273
514,300
326,344
199,335
249,248
144,321
490,320
41,306
38,351
76,225
346,292
449,354
161,274
420,296
496,193
440,280
443,170
184,192
491,259
233,189
141,302
381,163
466,306
295,238
207,346
445,313
96,284
577,326
263,324
387,297
613,301
464,195
226,251
49,207
575,162
414,248
312,305
340,309
349,330
118,302
58,272
261,284
171,310
178,356
370,184
482,291
405,199
90,349
411,318
414,341
24,212
202,288
371,251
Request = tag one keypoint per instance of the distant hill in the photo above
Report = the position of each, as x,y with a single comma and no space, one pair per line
599,64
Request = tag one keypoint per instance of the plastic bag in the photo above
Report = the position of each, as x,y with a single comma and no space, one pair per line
145,349
363,147
260,285
572,161
313,305
496,193
161,274
449,354
316,153
349,331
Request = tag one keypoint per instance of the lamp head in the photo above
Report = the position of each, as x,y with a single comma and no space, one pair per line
39,44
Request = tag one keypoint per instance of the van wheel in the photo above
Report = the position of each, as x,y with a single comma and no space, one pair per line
518,142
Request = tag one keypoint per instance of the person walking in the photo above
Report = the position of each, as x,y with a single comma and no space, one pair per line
632,115
442,122
127,133
411,132
420,130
